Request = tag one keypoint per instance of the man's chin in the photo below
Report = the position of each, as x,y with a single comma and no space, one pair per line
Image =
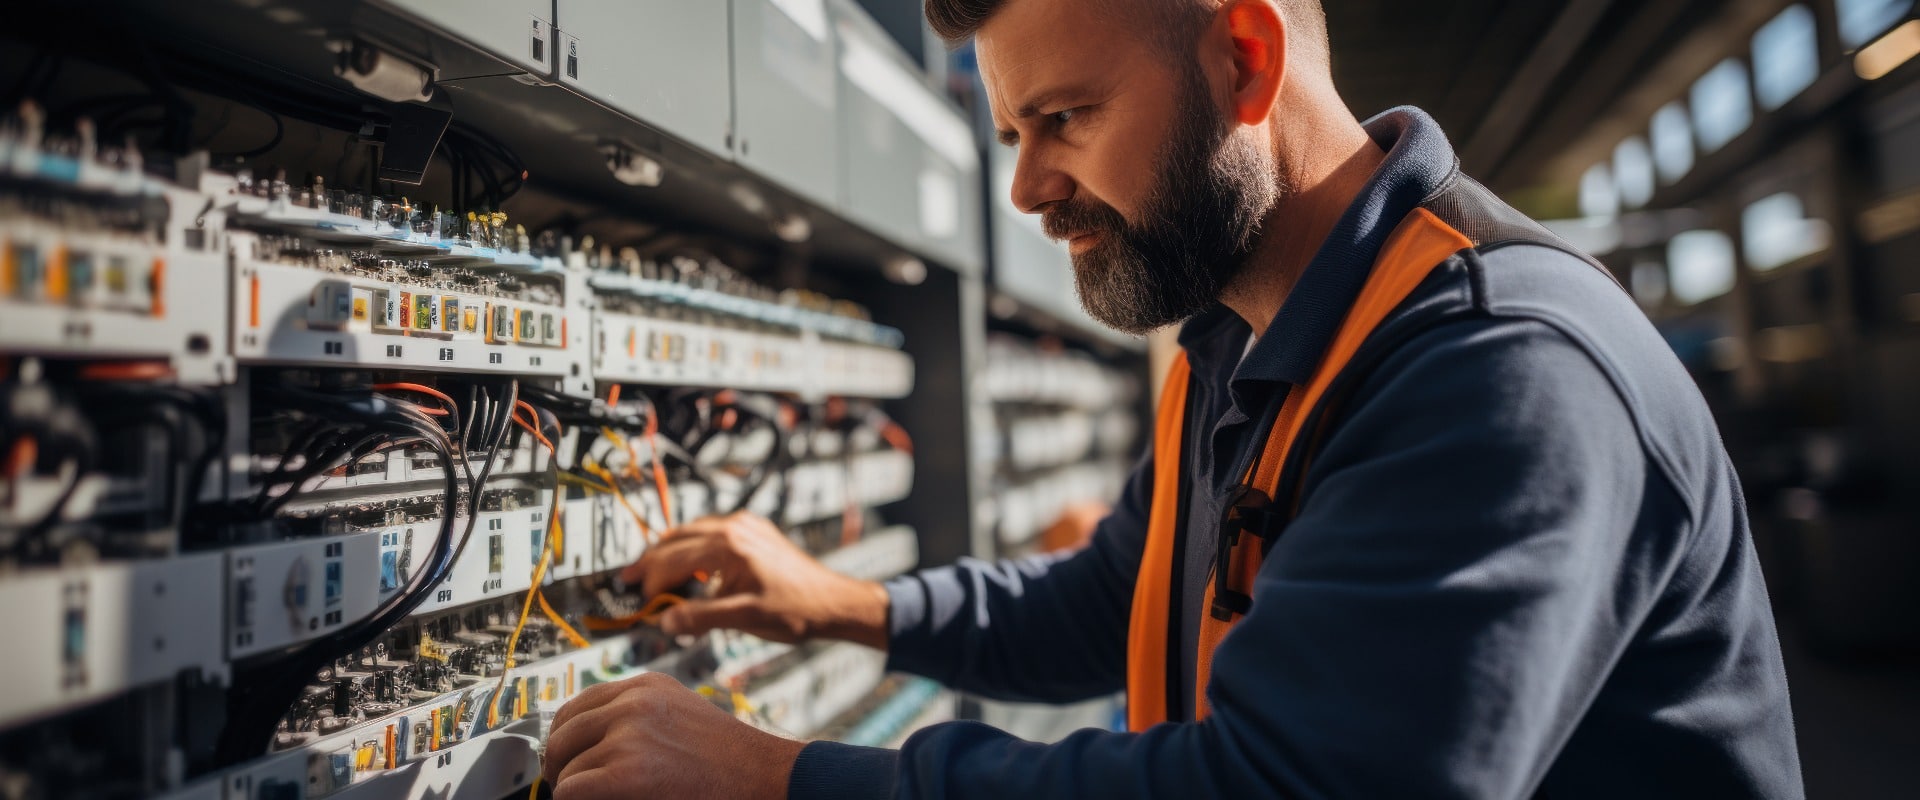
1125,312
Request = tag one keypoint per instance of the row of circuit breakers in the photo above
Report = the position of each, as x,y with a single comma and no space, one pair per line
312,494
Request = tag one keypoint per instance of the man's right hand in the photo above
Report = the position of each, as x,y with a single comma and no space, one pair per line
766,586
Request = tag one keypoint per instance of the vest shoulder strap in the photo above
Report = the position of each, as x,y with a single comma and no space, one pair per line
1419,245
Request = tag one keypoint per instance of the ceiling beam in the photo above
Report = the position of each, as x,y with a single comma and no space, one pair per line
1626,84
1514,109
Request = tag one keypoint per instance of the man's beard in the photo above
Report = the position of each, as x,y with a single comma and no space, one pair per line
1211,192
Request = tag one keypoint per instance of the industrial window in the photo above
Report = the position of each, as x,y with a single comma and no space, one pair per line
1699,266
1786,57
1633,172
1722,105
1599,197
1672,136
1861,21
1649,282
1775,231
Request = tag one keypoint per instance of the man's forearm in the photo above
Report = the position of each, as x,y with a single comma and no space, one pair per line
857,613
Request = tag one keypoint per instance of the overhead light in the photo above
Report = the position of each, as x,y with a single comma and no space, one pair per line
748,198
381,73
793,228
1898,47
631,167
905,270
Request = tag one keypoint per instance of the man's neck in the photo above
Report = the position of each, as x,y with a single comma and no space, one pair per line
1325,185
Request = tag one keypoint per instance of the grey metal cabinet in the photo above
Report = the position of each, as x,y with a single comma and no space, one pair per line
520,31
786,126
663,62
910,163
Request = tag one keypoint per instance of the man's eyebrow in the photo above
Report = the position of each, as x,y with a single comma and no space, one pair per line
1033,108
1046,99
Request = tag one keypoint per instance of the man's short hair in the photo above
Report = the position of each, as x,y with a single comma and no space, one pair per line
1180,20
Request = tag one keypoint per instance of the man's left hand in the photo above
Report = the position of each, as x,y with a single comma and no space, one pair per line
651,737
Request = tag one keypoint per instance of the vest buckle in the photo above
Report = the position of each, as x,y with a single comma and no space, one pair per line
1248,511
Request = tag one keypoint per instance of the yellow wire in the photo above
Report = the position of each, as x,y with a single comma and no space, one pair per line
571,634
526,609
646,531
633,456
574,480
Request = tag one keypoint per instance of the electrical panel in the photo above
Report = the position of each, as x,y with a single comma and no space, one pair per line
1065,431
313,491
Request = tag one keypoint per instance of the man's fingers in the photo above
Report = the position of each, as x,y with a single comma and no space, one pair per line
636,571
695,617
708,524
588,699
604,753
582,732
672,562
595,784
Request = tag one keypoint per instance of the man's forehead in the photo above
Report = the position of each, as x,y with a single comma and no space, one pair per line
1032,46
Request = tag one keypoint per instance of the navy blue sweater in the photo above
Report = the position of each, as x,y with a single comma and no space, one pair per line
1521,565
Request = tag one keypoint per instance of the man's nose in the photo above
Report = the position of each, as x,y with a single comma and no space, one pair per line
1037,183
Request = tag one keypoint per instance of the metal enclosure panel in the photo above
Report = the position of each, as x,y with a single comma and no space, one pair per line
99,293
785,117
291,592
664,62
81,634
519,31
911,165
648,350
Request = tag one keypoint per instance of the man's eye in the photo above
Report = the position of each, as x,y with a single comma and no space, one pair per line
1063,117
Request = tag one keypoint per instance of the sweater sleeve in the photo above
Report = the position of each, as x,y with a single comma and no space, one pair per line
1473,552
1037,629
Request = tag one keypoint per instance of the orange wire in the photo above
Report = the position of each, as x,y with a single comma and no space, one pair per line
660,483
126,371
25,451
647,615
897,436
521,405
613,395
422,389
659,473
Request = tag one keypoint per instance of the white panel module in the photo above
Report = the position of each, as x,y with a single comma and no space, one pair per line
79,634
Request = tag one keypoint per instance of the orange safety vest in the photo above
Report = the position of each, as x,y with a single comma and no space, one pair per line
1418,246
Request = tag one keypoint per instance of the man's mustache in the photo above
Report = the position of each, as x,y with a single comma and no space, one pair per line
1066,219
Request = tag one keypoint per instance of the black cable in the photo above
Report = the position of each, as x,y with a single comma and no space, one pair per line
258,702
60,434
279,132
477,484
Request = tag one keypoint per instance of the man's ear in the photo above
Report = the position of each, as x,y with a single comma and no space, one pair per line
1259,37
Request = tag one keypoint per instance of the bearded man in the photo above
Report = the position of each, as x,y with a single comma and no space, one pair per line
1431,510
